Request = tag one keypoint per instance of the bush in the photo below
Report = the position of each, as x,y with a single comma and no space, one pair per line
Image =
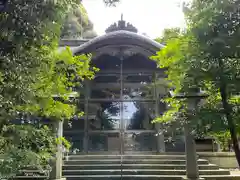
24,147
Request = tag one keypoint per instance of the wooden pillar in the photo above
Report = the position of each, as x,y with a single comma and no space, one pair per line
56,173
86,107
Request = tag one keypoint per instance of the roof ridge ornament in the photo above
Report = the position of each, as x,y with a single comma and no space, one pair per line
121,25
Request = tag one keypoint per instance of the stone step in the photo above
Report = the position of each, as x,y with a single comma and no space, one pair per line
138,166
76,157
131,161
132,153
123,177
221,177
141,172
32,174
149,177
31,177
33,171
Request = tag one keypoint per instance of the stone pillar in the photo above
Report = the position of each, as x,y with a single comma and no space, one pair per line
219,149
192,99
192,170
191,155
57,162
159,130
160,139
216,146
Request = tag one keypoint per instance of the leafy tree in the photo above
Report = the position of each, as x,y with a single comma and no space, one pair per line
169,34
111,2
26,147
35,78
77,24
206,56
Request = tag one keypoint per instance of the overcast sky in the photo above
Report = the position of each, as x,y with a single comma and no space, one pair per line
149,16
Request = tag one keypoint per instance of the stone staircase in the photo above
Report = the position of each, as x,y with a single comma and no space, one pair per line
130,167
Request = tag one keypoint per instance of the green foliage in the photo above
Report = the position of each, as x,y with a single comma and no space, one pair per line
28,53
35,80
65,143
28,137
57,80
34,72
77,24
174,57
223,138
25,23
23,146
168,34
205,56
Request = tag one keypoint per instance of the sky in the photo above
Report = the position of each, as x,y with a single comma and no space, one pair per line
148,16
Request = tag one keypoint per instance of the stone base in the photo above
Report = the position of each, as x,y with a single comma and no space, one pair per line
185,178
225,160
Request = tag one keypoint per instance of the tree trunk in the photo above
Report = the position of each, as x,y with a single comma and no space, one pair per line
231,124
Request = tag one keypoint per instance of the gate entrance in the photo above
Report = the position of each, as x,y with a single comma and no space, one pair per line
122,100
123,103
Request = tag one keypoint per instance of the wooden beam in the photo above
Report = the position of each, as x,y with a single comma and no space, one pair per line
131,72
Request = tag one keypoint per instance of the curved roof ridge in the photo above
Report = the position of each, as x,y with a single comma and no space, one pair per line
118,34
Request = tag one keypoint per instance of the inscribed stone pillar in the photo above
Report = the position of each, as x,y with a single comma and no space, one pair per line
160,138
192,170
56,173
191,155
